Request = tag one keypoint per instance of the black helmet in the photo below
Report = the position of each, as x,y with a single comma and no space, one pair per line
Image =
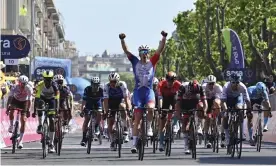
235,77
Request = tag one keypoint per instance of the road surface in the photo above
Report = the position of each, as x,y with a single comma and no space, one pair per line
73,154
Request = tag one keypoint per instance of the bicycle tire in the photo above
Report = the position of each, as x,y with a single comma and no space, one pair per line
59,136
193,139
232,138
44,139
90,136
167,141
239,125
259,137
14,136
217,136
119,137
213,136
100,137
170,140
143,139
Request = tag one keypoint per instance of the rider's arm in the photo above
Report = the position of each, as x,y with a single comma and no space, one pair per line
203,98
129,54
29,98
245,95
85,97
161,46
224,96
11,93
125,93
266,98
57,94
160,97
106,97
218,92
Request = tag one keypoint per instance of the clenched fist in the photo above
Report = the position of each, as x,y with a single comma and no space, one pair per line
122,36
164,34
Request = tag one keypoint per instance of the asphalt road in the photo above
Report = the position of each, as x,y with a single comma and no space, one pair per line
74,154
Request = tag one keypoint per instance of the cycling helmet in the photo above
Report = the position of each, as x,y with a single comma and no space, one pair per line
23,79
155,81
143,47
235,77
170,76
193,86
31,84
114,76
48,74
210,79
260,86
95,80
58,77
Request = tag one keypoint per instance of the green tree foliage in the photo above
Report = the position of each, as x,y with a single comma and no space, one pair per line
198,49
129,79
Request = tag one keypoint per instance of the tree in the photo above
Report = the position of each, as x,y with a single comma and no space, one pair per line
199,49
129,79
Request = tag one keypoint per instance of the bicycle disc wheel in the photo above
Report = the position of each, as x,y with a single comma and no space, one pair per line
44,139
239,133
119,138
193,140
14,136
259,137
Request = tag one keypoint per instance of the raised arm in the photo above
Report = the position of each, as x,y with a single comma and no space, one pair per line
162,43
123,43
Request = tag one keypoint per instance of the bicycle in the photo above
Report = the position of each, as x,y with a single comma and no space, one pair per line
91,128
154,138
214,136
259,130
192,130
58,135
169,133
119,131
15,134
235,129
143,134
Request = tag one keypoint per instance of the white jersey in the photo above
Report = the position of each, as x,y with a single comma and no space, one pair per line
21,95
215,92
120,91
227,91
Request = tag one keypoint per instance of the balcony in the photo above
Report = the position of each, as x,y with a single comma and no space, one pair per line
39,6
25,24
60,31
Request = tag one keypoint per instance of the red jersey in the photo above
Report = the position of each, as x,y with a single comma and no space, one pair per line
166,91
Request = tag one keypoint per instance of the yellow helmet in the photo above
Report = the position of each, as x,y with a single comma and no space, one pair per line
48,74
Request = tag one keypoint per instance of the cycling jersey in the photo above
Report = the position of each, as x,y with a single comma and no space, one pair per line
64,92
47,93
21,95
166,91
184,93
253,93
119,92
214,93
228,92
144,73
93,99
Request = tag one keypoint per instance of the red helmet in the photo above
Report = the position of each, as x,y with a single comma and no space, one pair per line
193,86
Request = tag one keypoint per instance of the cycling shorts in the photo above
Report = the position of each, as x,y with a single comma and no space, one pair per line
143,96
115,104
210,105
92,105
20,104
167,102
188,104
256,101
233,101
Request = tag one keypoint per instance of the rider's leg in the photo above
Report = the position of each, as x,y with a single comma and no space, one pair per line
52,114
110,123
85,126
185,130
98,118
200,116
11,117
23,119
162,121
38,104
266,105
150,100
124,121
240,104
137,119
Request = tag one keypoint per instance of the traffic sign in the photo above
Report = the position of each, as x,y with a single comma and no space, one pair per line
11,61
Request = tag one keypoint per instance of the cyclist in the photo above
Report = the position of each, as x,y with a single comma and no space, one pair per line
20,96
48,92
92,99
114,93
143,70
258,95
167,89
190,96
65,101
158,100
213,93
234,93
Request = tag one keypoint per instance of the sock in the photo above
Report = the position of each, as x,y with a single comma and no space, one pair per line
134,140
52,137
21,137
265,121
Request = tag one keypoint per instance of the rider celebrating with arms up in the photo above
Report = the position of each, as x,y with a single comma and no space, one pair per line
143,70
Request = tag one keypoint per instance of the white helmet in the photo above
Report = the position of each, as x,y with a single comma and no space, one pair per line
143,47
211,79
95,80
114,77
23,79
155,81
58,77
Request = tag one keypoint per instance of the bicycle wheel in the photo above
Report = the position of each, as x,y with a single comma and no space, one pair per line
153,139
89,137
233,137
14,136
217,136
119,137
239,135
259,136
44,139
143,139
170,140
59,134
193,139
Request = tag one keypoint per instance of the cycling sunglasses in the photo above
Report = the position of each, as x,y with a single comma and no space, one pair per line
211,83
113,82
144,52
235,82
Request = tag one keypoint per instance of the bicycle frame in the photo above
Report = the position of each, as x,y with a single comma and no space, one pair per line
91,129
15,134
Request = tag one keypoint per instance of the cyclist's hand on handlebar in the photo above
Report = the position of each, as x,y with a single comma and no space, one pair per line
122,36
164,34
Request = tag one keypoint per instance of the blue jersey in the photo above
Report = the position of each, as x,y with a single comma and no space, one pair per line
93,99
118,92
254,94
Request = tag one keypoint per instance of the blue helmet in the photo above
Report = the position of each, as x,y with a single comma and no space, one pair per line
235,77
260,86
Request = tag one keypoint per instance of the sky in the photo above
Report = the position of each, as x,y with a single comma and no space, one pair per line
94,25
